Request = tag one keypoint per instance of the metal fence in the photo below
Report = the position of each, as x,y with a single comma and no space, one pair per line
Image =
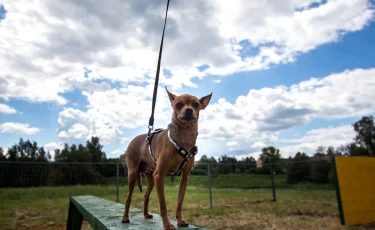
289,175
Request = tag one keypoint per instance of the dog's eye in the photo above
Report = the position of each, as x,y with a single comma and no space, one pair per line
196,105
179,105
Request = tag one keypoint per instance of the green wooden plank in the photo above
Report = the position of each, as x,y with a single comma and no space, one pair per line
105,214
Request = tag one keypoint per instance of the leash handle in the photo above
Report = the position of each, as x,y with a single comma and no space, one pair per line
151,121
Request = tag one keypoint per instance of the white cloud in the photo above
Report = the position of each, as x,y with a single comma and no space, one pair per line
76,131
7,109
84,83
255,119
51,147
111,111
254,155
331,136
124,140
14,127
258,145
5,150
115,153
47,46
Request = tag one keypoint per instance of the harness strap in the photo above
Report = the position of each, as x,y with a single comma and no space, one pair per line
148,141
185,154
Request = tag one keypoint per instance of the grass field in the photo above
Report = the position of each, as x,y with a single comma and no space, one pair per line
242,181
46,208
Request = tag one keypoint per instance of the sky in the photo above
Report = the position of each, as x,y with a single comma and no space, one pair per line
291,74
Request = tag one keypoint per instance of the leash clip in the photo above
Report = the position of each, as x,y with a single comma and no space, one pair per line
150,128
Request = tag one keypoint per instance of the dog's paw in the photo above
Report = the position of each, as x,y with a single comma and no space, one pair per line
182,223
148,216
169,227
125,220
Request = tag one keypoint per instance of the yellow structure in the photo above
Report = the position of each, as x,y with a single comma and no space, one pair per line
355,189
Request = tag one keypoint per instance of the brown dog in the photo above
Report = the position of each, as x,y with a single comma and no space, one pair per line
166,154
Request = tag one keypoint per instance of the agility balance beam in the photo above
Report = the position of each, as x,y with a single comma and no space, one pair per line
104,214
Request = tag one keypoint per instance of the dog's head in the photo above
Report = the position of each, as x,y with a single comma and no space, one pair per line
186,107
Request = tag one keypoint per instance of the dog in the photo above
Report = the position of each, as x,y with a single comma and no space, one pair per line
165,152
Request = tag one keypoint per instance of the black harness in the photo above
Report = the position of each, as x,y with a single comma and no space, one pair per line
183,152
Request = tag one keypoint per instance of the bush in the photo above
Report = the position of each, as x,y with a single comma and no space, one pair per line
199,171
332,177
320,171
262,170
298,172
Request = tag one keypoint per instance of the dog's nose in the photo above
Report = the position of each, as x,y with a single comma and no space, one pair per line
189,111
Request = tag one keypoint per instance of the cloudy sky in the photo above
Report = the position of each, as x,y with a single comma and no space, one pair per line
293,74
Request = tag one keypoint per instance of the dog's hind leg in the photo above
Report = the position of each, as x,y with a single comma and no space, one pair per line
150,186
132,178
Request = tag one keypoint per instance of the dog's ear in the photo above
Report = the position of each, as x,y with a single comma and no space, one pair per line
204,101
171,96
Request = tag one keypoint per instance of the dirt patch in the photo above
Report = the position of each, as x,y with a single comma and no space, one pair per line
312,213
227,204
44,227
252,202
319,203
50,226
31,215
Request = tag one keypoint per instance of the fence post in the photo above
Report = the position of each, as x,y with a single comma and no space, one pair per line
272,174
209,184
117,180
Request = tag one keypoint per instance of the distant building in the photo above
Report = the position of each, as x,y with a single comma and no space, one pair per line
259,163
321,157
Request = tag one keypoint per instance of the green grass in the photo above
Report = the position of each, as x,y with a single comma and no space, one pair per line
243,181
232,208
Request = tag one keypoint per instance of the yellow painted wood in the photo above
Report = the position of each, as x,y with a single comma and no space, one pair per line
360,218
356,180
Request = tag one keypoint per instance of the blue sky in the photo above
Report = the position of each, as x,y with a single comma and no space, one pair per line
52,100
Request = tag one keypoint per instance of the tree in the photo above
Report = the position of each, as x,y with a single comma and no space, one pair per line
12,153
26,151
227,164
320,171
351,149
331,151
95,149
298,170
2,155
42,155
320,151
201,167
270,155
122,158
365,137
246,165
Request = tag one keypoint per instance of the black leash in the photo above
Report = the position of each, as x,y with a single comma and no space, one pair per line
151,121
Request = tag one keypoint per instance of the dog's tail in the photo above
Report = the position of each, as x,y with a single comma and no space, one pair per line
139,181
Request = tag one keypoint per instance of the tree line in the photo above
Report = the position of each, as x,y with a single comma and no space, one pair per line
44,172
298,168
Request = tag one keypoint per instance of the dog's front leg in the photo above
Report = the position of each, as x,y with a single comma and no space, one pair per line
181,193
159,175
